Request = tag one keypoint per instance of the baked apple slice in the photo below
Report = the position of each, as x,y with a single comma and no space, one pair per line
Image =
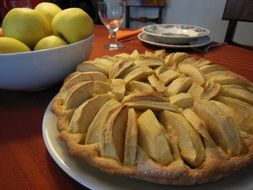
189,141
202,62
227,77
198,124
135,55
78,94
167,76
238,93
176,58
105,62
112,134
152,138
119,67
131,139
77,77
156,83
182,100
79,121
181,84
244,117
220,125
190,70
212,89
118,88
89,66
151,62
211,68
93,133
139,73
155,101
84,90
137,87
196,90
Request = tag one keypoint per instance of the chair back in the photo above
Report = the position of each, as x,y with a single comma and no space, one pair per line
234,11
146,18
240,10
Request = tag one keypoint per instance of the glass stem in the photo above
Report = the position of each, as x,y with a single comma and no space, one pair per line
112,35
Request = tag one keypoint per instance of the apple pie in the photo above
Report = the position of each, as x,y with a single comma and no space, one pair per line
165,118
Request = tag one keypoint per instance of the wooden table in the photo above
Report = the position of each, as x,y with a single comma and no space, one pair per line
24,160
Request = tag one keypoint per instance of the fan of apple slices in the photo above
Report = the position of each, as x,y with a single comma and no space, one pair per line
165,118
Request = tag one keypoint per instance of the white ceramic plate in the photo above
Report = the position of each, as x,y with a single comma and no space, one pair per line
202,41
175,33
97,180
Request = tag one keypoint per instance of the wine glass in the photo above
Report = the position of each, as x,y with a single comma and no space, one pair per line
112,13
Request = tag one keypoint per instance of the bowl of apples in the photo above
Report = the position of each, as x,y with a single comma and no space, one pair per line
39,47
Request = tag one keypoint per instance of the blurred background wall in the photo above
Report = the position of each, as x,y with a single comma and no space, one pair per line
204,13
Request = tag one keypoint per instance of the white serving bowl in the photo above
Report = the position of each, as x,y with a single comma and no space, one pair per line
43,68
175,33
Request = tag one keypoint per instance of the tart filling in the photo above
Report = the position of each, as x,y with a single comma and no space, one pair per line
169,119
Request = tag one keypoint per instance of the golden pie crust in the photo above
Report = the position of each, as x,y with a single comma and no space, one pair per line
164,118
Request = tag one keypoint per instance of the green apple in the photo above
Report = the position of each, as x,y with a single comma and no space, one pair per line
26,25
73,24
50,42
48,10
11,45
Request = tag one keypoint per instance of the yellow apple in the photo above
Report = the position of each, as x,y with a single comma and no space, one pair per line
11,45
73,24
50,42
1,32
48,10
25,25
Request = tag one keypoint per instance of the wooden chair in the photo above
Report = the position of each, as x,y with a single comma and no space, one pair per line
156,4
235,11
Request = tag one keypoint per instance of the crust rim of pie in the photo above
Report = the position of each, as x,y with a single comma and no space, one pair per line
220,160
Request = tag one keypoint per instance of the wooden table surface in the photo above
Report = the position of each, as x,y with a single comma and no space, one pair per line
25,163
